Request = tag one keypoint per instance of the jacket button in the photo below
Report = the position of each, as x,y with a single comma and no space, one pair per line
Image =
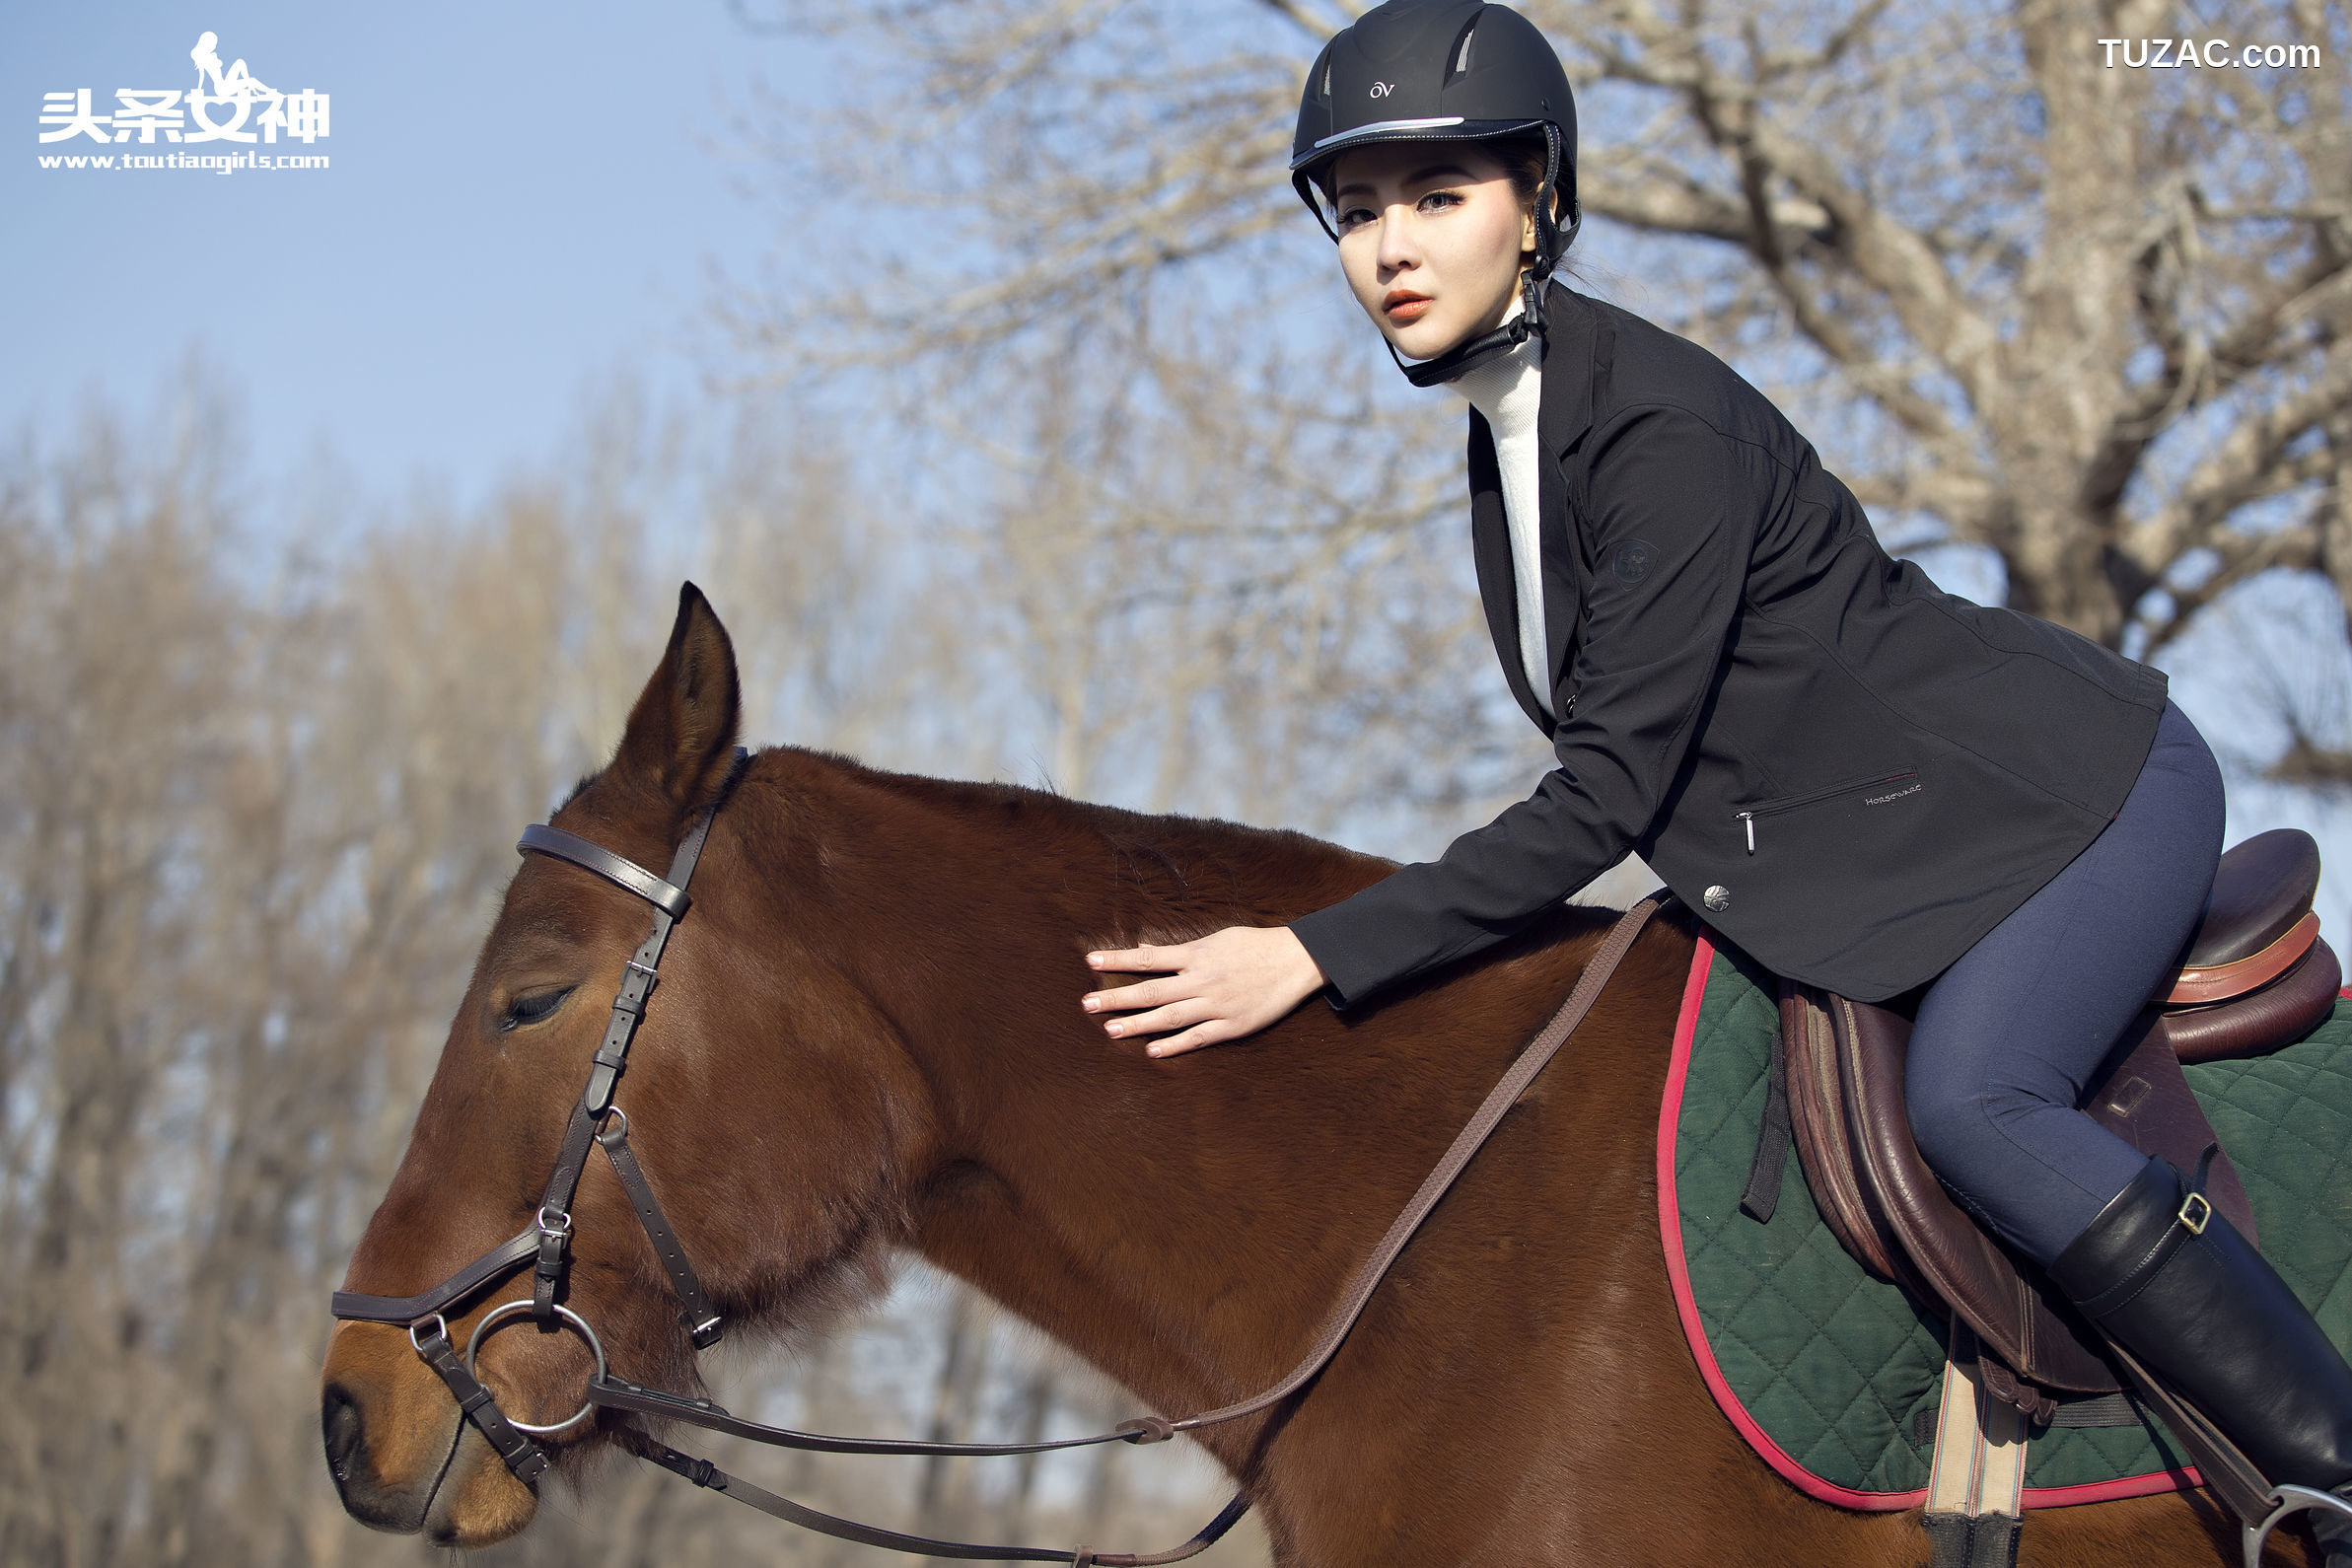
1717,897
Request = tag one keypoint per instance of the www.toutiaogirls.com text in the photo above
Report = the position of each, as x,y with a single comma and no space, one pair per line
204,163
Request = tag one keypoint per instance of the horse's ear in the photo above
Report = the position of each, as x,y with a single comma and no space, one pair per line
681,732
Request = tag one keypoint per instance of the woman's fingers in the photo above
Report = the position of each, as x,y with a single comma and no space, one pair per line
1146,960
1159,1020
1216,1031
1143,993
1222,987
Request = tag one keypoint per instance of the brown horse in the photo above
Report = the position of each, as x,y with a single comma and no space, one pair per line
866,1038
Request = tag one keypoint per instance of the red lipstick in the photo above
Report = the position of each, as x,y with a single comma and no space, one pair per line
1404,305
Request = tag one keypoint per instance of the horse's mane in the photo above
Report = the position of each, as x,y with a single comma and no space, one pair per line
1047,809
1180,876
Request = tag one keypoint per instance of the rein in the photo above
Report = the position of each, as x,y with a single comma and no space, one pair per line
546,1243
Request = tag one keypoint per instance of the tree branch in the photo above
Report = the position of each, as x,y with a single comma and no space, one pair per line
2247,465
1861,235
1899,264
2317,292
2243,556
1317,26
1652,194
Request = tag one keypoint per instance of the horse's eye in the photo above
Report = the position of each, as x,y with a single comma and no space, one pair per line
530,1009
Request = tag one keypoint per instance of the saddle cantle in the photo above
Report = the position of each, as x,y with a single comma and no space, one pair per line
2256,975
2255,978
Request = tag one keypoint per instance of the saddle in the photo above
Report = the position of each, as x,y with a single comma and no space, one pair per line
2254,977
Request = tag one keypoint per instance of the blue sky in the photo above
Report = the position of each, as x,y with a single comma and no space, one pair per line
525,200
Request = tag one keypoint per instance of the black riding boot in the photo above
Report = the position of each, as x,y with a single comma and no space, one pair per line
2171,1280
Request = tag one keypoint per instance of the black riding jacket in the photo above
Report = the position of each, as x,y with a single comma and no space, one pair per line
1851,774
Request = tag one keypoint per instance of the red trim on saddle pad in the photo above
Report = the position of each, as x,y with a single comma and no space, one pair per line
1669,1226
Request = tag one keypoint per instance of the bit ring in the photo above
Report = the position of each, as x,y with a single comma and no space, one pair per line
572,1320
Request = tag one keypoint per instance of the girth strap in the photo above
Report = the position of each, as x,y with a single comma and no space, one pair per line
1761,1197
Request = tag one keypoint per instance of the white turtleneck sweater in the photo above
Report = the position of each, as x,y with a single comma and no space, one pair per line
1508,391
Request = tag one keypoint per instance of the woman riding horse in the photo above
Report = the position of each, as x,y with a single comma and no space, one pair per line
1871,784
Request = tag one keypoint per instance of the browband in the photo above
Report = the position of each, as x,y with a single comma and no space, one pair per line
540,839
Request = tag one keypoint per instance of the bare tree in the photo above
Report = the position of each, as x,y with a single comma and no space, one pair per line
2100,308
2086,317
1209,609
256,809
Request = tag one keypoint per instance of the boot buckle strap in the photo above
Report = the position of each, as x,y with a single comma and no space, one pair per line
2195,1213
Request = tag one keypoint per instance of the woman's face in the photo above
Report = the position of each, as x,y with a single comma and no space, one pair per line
1431,237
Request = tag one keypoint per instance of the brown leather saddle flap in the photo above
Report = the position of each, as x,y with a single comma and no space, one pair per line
1845,1083
1817,1118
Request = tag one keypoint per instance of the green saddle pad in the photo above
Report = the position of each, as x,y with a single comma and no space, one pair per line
1832,1376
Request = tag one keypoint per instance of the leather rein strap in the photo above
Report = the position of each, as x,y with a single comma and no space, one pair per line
546,1242
618,1393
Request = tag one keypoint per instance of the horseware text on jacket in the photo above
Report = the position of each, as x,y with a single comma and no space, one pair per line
1850,773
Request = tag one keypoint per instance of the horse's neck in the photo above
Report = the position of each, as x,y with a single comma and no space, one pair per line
1183,1224
1179,1227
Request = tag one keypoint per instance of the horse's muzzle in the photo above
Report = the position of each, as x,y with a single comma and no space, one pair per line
375,1501
401,1457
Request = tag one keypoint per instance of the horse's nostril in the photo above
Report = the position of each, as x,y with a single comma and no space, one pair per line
340,1424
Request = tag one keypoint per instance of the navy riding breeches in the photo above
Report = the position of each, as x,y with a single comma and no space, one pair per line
2011,1033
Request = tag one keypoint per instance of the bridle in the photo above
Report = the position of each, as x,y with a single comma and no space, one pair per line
546,1245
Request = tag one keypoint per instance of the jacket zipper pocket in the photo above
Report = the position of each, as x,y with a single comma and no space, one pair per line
1746,819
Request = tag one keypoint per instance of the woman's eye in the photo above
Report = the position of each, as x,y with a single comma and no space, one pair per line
1354,216
530,1009
1439,200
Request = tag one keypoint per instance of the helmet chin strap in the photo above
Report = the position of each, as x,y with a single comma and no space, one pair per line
1470,353
1550,244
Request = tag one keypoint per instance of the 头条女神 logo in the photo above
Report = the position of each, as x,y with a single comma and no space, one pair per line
227,103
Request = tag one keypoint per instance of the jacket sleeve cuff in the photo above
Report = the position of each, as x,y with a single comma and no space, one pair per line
1348,977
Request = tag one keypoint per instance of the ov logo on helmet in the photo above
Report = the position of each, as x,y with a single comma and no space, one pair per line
1383,88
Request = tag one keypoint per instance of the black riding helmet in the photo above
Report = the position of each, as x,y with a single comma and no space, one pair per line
1446,70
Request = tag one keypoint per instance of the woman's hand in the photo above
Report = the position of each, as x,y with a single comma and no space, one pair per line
1228,984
